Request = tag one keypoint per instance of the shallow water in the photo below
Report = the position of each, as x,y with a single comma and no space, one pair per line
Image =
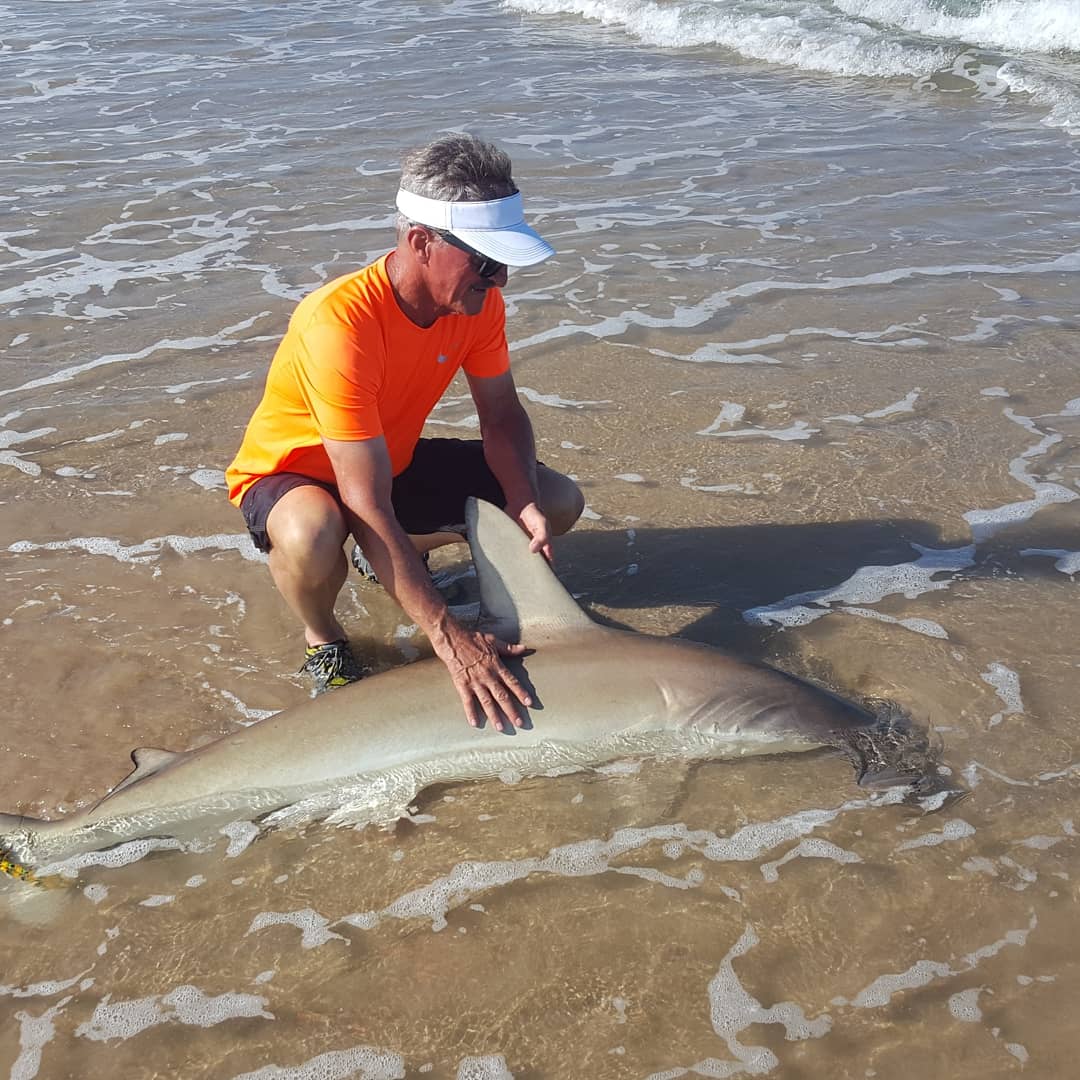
809,348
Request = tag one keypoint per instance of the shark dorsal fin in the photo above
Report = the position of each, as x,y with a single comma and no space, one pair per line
148,760
521,598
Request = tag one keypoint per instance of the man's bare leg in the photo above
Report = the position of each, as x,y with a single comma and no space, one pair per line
307,561
561,499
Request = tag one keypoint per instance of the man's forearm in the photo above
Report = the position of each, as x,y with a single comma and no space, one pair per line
510,451
401,571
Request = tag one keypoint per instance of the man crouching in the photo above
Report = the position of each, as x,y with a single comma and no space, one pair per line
334,446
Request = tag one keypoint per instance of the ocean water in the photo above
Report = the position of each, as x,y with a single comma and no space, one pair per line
809,345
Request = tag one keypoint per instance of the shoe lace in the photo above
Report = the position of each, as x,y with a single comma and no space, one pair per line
331,660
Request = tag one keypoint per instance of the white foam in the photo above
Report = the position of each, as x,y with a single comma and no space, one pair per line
927,627
172,436
557,402
241,834
208,479
1061,96
716,354
965,1005
147,551
1007,684
157,900
733,1010
1024,25
488,1067
868,585
471,422
121,855
798,432
35,1033
9,457
585,858
357,1063
957,829
882,990
48,988
250,715
812,848
807,41
688,317
185,1005
905,404
985,523
973,768
191,344
9,438
313,927
731,412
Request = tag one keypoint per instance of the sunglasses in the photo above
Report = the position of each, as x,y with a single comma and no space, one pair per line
485,266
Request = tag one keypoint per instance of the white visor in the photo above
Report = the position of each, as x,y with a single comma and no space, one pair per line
496,228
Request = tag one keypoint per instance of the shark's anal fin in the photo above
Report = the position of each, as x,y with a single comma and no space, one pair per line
148,760
521,598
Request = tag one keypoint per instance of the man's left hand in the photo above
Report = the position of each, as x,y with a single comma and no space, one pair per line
531,518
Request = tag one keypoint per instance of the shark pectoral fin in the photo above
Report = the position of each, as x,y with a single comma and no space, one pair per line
148,760
520,595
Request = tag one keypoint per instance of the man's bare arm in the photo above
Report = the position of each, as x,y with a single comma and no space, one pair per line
486,687
510,451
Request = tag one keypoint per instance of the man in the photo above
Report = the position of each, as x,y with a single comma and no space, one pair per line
334,446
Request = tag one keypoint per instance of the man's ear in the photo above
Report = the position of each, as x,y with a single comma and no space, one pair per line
419,240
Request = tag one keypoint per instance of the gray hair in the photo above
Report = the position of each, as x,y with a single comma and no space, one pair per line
456,168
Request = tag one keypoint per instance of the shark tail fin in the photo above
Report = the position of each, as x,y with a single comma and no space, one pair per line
28,900
519,593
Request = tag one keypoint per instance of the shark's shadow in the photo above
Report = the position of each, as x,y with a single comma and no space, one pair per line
720,572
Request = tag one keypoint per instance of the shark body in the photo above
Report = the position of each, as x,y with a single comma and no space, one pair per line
600,694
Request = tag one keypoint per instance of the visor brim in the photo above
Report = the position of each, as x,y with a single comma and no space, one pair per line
515,246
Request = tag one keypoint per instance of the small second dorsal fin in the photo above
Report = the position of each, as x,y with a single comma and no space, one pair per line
521,597
148,760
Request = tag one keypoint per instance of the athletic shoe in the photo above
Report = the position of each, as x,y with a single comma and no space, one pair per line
331,665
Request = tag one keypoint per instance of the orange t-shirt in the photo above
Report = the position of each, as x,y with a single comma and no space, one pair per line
352,366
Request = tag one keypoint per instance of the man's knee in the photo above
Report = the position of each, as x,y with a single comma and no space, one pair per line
306,523
560,499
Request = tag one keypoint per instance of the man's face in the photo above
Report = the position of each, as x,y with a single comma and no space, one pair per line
453,277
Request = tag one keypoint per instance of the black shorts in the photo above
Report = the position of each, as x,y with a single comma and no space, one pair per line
429,495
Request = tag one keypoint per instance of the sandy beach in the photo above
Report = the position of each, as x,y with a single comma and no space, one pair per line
809,347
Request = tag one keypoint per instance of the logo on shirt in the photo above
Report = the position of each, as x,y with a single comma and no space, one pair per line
443,358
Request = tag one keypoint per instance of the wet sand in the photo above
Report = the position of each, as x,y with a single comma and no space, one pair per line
812,359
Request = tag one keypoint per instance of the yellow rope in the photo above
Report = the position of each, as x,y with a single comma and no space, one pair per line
16,869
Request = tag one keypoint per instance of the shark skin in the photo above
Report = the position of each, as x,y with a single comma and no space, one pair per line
600,694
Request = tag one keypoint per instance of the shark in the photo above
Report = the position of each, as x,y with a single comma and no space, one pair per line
600,694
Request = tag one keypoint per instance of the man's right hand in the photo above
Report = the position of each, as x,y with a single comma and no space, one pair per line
485,685
487,688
